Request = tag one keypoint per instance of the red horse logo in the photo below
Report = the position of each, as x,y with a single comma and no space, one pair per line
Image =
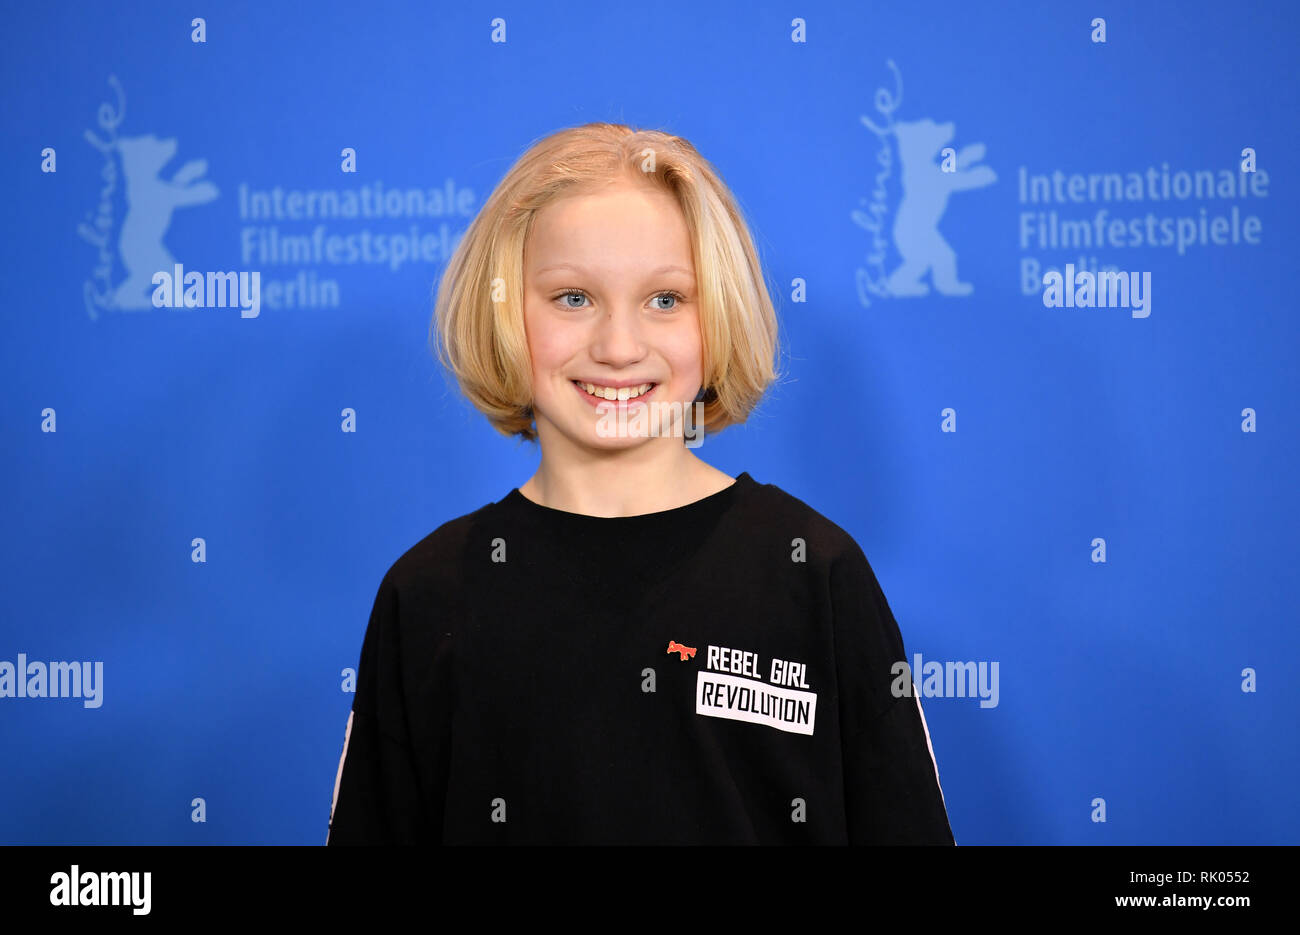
688,652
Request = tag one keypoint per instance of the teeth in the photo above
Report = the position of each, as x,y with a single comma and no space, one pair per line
608,392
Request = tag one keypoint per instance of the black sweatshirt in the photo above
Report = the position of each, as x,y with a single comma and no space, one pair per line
718,673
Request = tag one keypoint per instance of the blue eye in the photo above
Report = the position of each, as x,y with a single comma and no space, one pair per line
667,294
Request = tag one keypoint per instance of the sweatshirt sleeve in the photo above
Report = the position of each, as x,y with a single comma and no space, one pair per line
377,796
891,780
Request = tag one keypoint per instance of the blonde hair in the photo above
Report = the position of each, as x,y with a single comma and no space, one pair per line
478,313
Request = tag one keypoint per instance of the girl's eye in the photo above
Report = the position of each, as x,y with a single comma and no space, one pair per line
574,292
668,294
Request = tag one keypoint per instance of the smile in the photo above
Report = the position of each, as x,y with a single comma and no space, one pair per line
598,394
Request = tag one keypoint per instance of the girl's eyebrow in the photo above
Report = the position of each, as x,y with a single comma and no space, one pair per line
578,269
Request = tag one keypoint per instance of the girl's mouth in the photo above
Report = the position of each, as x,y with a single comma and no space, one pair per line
645,390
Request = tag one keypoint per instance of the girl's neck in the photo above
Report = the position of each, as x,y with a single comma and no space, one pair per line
598,489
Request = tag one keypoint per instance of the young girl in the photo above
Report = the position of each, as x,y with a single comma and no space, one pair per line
633,646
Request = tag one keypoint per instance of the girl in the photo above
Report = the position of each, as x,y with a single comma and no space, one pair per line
633,646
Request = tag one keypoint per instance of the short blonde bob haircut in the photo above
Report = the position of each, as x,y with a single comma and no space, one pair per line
479,315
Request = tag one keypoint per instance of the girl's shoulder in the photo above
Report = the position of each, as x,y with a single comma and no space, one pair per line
434,565
773,506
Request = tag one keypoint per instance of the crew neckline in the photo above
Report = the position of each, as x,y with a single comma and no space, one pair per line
696,508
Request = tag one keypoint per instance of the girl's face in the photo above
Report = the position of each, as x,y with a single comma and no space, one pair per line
610,300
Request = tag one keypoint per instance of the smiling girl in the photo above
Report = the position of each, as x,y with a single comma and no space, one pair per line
632,646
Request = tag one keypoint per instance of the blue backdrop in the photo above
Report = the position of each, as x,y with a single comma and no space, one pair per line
1101,501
